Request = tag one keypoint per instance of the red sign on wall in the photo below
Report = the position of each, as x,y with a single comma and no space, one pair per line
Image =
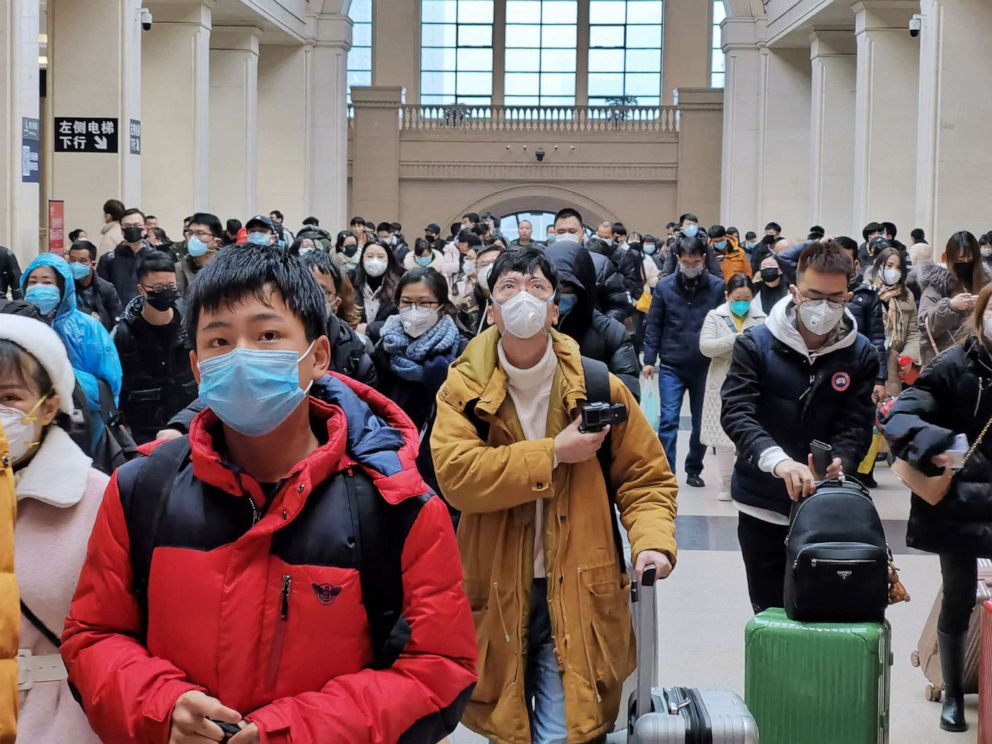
56,226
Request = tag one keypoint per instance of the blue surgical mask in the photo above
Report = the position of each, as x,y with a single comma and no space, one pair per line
196,247
650,248
424,260
281,243
253,390
45,297
259,238
720,245
690,230
79,271
740,307
566,304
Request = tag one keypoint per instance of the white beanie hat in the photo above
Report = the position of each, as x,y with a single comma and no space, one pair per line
44,345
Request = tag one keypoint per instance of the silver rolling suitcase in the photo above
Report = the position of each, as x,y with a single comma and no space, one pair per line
678,715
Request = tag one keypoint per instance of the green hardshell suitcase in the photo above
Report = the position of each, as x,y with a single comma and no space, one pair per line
818,683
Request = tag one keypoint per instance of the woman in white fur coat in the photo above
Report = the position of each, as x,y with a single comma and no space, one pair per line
720,329
58,494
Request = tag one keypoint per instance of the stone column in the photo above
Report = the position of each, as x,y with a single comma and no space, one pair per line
327,127
885,125
700,135
743,104
686,47
833,55
94,70
19,198
175,78
234,122
375,181
954,191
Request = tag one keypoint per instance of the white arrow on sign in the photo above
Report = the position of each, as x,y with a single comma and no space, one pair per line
100,142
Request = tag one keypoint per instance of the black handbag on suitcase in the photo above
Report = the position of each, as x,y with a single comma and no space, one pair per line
837,560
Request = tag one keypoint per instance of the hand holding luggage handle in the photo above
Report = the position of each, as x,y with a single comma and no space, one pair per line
643,598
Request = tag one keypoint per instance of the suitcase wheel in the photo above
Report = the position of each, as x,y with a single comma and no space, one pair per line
914,658
932,693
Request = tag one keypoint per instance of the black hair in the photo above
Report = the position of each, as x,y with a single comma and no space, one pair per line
456,228
739,281
74,234
688,216
151,217
294,249
526,262
208,220
883,257
848,244
774,226
717,231
233,226
468,236
382,227
422,246
396,227
275,212
827,258
871,227
186,220
890,229
115,208
816,232
733,231
686,246
472,217
155,261
134,210
343,236
257,271
84,245
311,221
564,214
498,247
619,229
750,235
670,226
357,221
918,235
161,235
435,282
324,264
649,238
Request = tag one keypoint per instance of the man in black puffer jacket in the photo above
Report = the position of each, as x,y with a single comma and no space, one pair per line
806,374
599,336
611,288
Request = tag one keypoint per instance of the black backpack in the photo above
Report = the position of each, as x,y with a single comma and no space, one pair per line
115,445
380,533
597,377
836,557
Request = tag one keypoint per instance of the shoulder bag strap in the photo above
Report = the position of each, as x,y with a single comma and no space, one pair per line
40,626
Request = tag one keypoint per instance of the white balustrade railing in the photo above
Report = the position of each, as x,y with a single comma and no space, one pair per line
539,118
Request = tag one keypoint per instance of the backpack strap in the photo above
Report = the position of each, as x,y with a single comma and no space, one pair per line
597,378
40,626
380,531
145,505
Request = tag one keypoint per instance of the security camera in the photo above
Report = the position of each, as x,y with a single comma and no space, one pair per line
915,25
539,155
146,19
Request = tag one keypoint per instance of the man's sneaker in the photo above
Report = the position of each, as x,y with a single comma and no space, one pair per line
723,496
695,481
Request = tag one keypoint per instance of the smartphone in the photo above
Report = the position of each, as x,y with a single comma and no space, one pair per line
822,457
229,729
958,451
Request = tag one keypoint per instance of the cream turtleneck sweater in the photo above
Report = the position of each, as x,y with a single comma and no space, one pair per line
530,391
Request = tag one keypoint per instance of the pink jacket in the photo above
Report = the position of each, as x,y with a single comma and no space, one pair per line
58,496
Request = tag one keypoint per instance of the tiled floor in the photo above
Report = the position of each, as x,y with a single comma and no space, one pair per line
704,606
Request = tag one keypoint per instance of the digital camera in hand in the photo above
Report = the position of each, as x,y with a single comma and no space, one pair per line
597,416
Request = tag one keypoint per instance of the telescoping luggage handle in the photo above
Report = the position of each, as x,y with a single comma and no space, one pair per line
644,601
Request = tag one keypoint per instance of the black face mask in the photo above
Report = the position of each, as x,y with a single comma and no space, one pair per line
965,272
163,299
770,275
132,234
350,250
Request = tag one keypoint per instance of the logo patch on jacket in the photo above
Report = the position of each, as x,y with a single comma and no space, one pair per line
841,381
326,593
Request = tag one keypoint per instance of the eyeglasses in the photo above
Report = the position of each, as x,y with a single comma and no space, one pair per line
419,304
159,287
835,300
205,235
509,287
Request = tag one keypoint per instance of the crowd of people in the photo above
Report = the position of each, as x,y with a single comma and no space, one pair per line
304,417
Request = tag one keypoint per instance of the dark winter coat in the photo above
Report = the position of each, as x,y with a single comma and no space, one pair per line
776,395
10,274
952,396
120,268
938,320
158,380
611,288
599,336
678,310
103,301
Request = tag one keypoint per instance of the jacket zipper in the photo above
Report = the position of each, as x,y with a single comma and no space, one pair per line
255,513
837,561
279,639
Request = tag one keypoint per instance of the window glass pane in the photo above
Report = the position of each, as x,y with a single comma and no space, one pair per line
523,11
625,60
606,36
475,36
522,100
558,83
558,37
607,11
522,60
605,60
563,11
456,57
522,83
558,60
360,58
527,37
557,101
361,11
718,62
360,55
